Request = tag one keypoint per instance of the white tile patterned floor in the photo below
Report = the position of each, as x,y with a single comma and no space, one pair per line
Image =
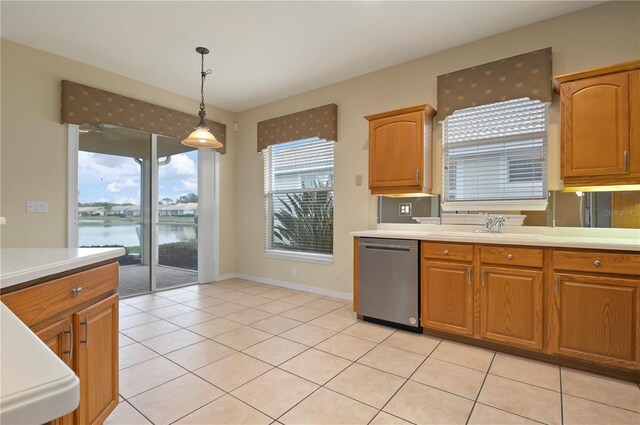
239,352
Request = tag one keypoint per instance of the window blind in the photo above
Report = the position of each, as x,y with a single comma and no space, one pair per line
298,196
494,157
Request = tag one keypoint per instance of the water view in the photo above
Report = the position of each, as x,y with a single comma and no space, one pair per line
129,234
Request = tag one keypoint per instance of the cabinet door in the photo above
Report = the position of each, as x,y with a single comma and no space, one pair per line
597,319
447,297
396,146
97,360
59,338
595,126
511,306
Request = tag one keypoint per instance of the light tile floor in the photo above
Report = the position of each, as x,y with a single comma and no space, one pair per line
239,352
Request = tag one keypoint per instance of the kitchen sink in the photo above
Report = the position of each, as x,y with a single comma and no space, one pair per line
489,235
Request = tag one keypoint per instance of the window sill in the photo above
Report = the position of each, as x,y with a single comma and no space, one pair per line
304,257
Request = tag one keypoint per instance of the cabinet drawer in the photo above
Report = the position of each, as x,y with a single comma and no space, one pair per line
598,262
511,256
447,251
41,302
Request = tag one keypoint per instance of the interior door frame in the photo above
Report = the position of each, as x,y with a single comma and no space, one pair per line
208,206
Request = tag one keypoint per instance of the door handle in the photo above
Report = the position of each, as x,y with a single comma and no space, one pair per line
469,276
70,351
85,322
388,248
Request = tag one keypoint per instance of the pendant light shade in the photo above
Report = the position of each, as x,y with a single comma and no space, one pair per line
201,137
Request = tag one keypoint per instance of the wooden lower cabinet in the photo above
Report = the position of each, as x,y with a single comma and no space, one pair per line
59,338
97,360
77,318
574,307
597,319
447,297
511,306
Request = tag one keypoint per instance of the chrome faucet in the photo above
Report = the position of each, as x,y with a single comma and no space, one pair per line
491,222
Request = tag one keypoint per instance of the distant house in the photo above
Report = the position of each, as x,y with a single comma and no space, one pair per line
126,210
90,211
189,209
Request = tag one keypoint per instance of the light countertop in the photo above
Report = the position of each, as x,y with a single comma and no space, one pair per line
36,386
19,265
605,239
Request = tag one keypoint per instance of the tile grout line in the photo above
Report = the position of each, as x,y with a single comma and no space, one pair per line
323,385
225,392
406,379
136,409
308,322
561,397
480,389
308,348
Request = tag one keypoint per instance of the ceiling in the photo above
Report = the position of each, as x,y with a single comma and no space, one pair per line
260,51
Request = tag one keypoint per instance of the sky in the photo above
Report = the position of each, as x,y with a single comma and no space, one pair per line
116,179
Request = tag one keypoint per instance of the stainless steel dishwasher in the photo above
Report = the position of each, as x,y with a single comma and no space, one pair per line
388,281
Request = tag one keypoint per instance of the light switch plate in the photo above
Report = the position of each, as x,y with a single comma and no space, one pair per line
37,206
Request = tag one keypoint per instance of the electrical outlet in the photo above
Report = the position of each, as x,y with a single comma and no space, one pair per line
37,206
359,180
294,273
405,209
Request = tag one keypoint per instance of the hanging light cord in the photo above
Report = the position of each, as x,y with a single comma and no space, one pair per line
203,74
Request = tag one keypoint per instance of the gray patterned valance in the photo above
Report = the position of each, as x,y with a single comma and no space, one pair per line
319,122
87,105
527,75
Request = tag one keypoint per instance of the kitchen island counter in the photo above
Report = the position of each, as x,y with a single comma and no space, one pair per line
21,265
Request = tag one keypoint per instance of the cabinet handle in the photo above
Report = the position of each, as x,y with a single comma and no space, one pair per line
445,252
626,161
556,287
469,276
85,322
596,263
77,290
417,175
70,332
509,257
483,277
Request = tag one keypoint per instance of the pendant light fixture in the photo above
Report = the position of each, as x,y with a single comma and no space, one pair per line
201,137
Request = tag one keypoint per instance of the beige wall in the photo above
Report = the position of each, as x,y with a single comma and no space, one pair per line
602,35
34,145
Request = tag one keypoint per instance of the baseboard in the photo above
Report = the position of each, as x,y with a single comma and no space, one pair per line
226,276
297,286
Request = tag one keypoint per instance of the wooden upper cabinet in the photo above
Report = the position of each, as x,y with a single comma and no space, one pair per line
97,360
400,150
597,319
447,296
600,126
511,306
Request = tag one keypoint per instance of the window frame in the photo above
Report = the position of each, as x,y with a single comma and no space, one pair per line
453,169
283,254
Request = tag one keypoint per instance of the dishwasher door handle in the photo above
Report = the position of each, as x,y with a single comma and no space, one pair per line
388,247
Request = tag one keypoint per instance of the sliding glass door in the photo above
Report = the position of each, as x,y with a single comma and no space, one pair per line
140,191
177,213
